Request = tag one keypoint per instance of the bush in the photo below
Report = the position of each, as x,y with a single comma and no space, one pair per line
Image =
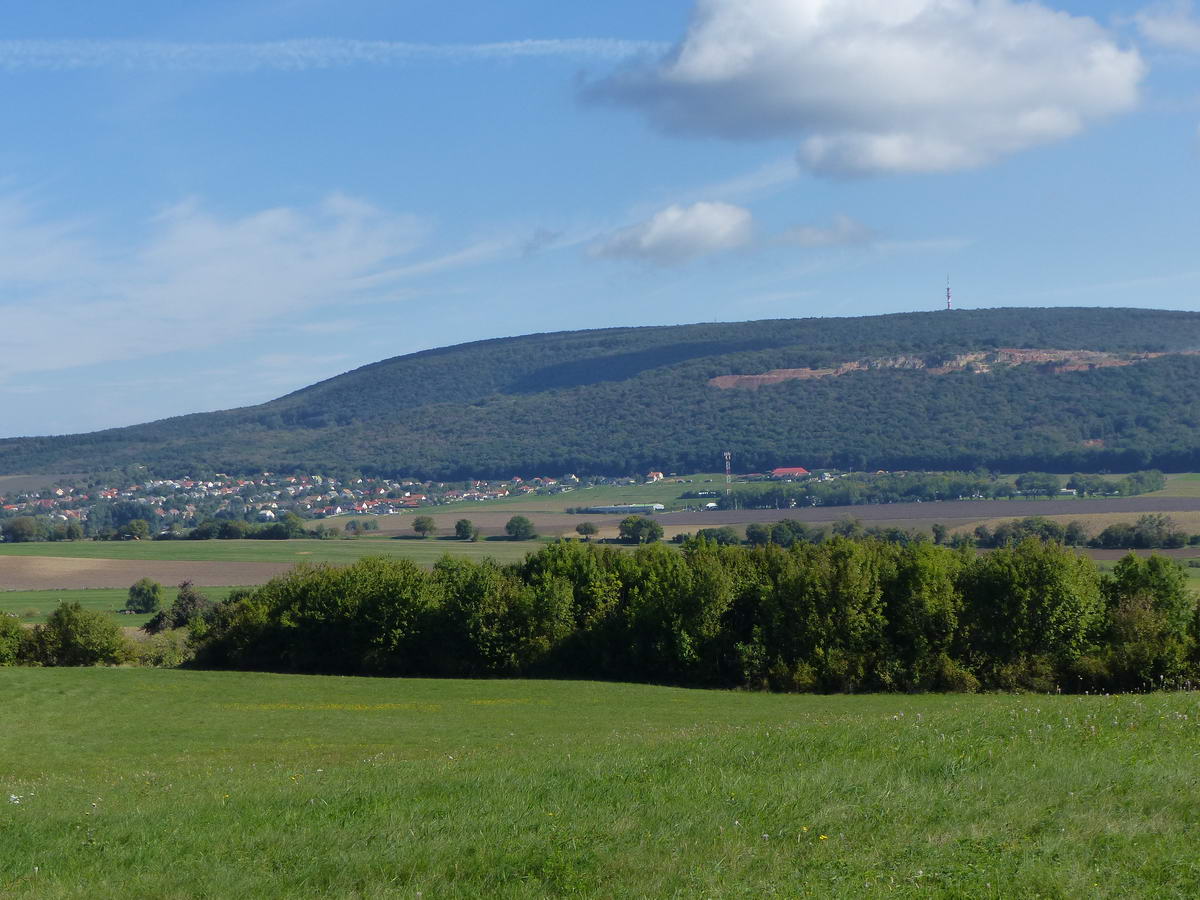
74,636
189,604
725,536
145,596
955,678
11,634
166,650
640,530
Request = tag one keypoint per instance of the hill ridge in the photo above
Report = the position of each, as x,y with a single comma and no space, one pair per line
624,400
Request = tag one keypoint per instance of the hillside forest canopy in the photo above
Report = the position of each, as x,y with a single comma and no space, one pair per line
627,400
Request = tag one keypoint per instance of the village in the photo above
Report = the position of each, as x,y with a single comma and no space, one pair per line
185,502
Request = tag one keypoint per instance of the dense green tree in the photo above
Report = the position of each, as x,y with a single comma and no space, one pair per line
424,526
724,536
758,533
135,529
465,531
293,523
145,596
923,605
234,529
640,530
586,530
1092,485
519,528
21,529
1030,607
74,636
1150,625
12,638
188,606
1038,483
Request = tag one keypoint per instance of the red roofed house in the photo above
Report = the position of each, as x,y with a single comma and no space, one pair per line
789,472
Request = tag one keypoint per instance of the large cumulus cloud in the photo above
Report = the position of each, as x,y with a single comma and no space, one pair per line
878,86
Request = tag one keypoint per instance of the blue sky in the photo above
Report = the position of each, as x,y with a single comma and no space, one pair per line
209,204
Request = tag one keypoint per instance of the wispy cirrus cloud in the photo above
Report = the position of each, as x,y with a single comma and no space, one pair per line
74,298
296,55
1173,25
843,232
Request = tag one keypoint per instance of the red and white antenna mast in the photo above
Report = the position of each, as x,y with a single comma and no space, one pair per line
949,301
728,472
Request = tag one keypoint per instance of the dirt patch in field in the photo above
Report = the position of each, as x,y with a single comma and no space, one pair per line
37,573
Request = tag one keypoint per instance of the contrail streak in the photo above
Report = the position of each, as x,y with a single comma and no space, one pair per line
295,55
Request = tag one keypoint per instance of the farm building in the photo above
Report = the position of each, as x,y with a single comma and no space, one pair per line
789,472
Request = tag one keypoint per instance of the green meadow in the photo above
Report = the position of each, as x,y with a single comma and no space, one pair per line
34,606
667,492
154,783
422,552
1182,485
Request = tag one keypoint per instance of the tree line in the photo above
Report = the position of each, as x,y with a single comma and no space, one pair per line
841,615
865,488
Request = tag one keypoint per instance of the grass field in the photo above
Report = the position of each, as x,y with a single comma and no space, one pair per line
1183,485
425,552
666,492
34,606
144,783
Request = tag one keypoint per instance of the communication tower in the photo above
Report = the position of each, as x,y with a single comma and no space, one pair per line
728,472
949,301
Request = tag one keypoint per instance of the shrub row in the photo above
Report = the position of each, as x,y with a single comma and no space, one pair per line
842,615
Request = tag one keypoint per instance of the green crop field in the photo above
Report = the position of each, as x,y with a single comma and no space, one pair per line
34,606
1184,485
666,492
149,783
424,552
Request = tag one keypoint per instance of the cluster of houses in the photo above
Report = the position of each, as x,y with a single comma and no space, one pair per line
268,496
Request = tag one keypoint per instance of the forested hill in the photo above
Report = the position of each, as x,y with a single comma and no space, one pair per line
1099,389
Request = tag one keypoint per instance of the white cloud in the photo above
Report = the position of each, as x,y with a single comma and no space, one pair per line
195,281
1173,25
680,233
875,86
295,55
843,232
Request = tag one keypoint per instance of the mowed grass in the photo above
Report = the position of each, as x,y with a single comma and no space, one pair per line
34,606
148,783
1183,485
423,552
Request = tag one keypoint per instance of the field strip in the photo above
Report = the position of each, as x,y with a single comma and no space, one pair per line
36,573
939,511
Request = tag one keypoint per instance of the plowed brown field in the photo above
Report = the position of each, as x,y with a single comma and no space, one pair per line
36,573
